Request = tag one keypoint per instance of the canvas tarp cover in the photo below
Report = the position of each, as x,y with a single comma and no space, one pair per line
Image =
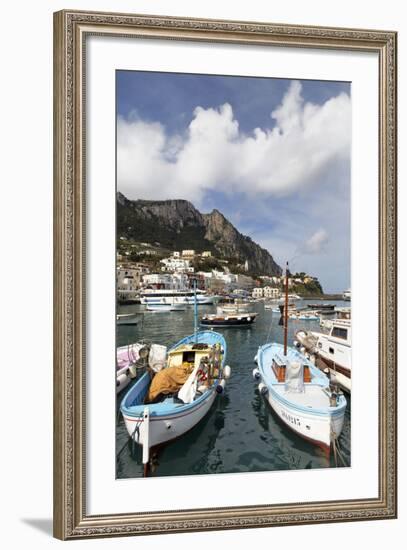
294,378
168,381
157,357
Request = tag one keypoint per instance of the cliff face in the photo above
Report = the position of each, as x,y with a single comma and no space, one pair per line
177,224
233,244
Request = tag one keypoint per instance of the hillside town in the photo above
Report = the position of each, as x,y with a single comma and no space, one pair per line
185,269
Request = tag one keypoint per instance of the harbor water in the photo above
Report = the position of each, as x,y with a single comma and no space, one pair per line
240,433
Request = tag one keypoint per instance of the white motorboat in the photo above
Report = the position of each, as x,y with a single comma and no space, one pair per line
333,349
152,296
164,307
347,295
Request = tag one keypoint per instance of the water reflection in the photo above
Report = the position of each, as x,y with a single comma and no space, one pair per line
240,433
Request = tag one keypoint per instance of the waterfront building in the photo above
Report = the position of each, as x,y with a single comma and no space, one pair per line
257,292
188,253
174,281
245,282
176,265
271,292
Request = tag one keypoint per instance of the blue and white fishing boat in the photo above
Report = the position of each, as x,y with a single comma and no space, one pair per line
171,414
150,424
299,393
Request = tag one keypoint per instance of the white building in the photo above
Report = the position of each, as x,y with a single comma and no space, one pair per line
173,281
271,292
257,292
176,265
206,254
188,253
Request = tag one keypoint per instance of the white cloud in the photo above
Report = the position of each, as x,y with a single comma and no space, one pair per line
316,243
304,143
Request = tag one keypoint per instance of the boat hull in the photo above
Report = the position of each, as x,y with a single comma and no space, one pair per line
171,418
164,428
308,413
339,374
317,429
188,299
241,321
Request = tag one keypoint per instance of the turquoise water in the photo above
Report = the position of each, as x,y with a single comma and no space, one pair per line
240,433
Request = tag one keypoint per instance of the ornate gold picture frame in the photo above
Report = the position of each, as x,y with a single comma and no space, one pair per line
71,30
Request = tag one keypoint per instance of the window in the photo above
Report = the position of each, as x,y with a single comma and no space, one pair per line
338,332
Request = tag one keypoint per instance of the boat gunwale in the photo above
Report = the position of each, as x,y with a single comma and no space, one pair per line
168,410
317,411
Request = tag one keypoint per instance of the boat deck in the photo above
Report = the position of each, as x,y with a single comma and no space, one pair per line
313,396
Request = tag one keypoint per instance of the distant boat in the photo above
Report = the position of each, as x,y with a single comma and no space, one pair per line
298,392
346,295
237,306
231,320
294,297
153,296
304,316
325,308
177,409
126,319
166,307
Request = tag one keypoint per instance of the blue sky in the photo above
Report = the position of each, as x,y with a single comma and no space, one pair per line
272,154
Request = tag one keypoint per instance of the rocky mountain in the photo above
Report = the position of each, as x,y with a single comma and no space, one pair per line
178,225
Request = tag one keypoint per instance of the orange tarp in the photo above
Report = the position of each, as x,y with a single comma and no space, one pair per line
168,380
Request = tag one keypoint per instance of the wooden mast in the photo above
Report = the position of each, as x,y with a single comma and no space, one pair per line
286,311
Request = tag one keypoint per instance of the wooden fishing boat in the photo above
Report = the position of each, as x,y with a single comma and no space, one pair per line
298,392
173,413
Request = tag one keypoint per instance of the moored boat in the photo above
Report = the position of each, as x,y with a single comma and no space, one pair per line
187,296
304,316
230,320
166,403
347,295
298,392
237,306
126,319
128,359
165,307
334,350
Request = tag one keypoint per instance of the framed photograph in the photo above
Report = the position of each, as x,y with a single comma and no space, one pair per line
225,274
